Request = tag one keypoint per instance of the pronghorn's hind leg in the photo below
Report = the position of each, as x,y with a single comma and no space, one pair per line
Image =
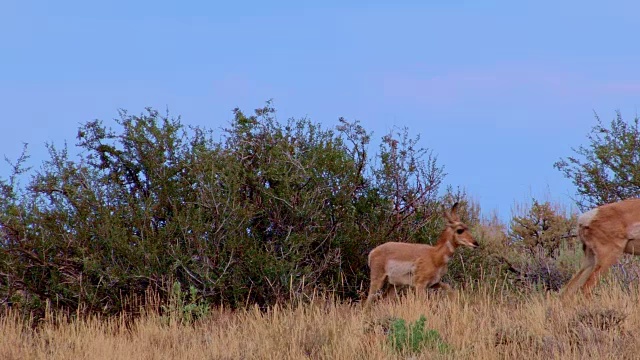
377,284
604,258
389,289
576,282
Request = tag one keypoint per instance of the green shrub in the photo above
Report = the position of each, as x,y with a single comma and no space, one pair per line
413,338
184,307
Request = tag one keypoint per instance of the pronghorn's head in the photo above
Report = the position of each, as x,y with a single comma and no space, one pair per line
461,233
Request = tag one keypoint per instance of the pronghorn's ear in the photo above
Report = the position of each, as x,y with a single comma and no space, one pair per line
454,209
447,215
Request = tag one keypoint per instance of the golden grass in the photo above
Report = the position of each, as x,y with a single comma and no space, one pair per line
477,324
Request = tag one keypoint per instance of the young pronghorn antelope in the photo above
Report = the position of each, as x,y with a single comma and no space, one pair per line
417,265
606,232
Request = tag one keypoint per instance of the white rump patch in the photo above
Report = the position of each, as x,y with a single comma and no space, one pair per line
586,218
400,272
633,231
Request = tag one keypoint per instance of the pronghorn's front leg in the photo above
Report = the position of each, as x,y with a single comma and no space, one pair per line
448,290
442,286
420,289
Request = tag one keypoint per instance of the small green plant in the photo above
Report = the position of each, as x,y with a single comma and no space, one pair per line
184,307
413,338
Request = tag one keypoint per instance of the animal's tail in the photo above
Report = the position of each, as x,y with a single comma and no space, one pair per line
369,258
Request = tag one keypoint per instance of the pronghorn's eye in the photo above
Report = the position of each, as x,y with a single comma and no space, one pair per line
460,231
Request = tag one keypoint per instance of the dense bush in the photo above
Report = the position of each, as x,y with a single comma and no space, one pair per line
543,251
268,212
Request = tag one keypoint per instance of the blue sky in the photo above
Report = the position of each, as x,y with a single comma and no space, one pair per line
500,90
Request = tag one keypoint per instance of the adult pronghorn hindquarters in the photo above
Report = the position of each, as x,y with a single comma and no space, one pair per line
417,265
606,232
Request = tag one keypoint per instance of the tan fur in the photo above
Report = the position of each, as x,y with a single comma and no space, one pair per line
606,232
417,265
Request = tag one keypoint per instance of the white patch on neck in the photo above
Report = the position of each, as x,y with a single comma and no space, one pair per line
586,218
450,246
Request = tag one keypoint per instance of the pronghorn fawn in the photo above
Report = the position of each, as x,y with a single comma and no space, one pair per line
417,265
606,232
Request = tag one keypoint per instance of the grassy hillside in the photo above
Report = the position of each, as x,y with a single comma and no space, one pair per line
480,323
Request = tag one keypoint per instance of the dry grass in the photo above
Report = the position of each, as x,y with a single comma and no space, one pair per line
477,324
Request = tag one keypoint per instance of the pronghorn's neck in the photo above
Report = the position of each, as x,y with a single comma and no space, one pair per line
445,236
445,247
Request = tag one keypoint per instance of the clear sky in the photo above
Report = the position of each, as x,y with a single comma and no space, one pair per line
500,90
